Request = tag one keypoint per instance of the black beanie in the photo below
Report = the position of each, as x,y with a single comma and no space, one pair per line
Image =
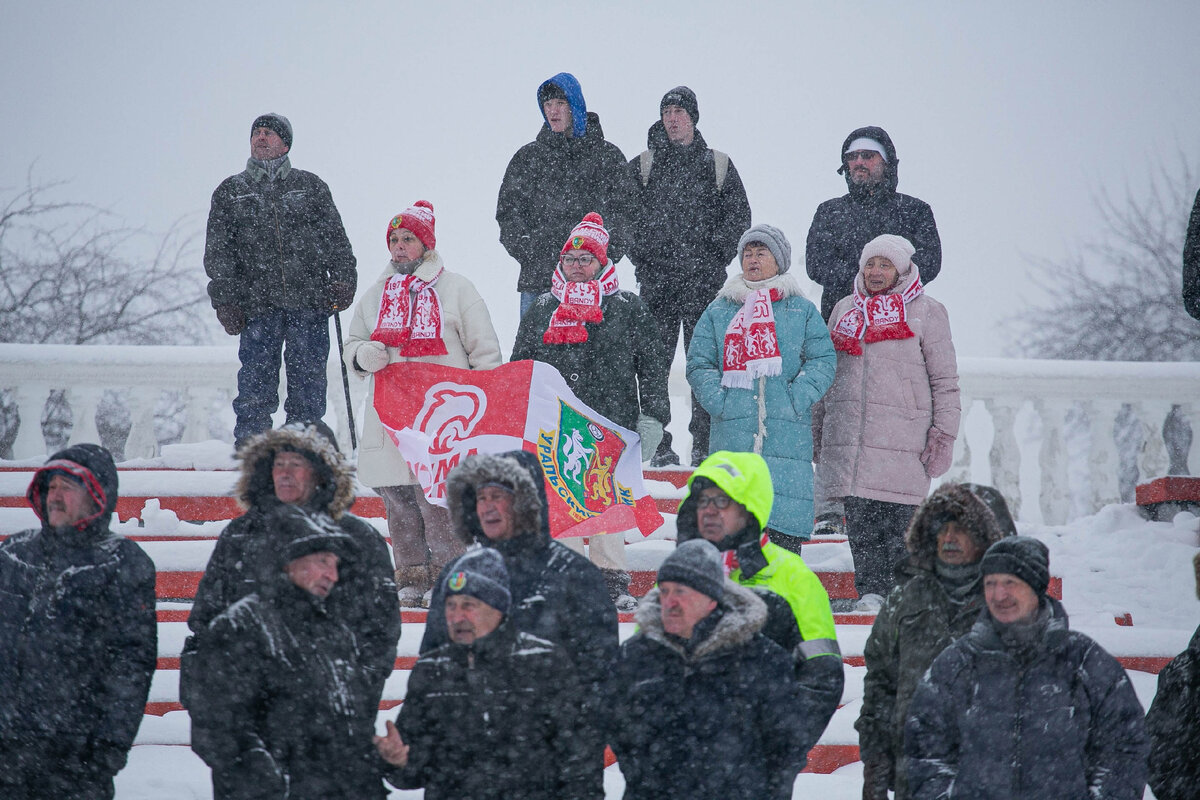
695,563
1023,556
481,574
683,97
275,122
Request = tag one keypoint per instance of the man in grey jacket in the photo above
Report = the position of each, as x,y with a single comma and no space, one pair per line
279,264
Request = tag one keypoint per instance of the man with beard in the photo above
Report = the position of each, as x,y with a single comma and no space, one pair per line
78,637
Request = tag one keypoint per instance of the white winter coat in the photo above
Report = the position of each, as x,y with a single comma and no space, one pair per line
470,339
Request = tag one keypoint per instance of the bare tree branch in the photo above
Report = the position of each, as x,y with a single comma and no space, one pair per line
1119,298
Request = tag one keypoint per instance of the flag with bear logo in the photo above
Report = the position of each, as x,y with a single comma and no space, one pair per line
438,415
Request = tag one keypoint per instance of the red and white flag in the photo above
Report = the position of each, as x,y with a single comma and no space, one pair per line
439,415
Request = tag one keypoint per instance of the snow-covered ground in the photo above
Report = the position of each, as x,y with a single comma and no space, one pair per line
1112,563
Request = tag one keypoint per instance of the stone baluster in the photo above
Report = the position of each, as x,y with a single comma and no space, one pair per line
960,469
1102,452
142,441
84,400
31,402
1005,455
1055,495
199,400
1153,461
1177,435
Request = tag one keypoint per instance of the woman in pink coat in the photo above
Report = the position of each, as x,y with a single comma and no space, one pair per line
889,421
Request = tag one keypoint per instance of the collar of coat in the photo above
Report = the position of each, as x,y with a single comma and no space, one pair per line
985,634
256,488
427,270
736,288
744,615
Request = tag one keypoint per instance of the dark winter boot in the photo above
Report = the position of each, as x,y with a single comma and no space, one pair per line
617,581
414,584
664,456
785,540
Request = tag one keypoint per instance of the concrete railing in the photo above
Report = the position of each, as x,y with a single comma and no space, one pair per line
1085,430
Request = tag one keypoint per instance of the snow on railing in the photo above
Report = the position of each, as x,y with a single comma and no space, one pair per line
1102,424
205,376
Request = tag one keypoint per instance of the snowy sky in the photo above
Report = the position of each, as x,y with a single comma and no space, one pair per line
1008,117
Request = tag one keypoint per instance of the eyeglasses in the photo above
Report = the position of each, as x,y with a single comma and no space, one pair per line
721,501
584,260
862,155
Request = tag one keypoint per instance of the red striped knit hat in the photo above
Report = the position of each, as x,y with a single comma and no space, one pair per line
589,235
418,219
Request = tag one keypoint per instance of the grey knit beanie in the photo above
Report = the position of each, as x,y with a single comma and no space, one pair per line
275,122
1023,556
481,574
695,563
775,241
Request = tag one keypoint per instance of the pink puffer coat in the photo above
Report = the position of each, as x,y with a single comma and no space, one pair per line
875,419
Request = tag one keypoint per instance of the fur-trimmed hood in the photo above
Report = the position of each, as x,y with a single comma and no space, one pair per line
335,477
736,288
516,469
743,615
952,502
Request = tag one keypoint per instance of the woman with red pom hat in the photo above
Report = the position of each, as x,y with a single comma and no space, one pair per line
609,350
417,310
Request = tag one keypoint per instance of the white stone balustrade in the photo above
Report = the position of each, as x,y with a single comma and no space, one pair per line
1008,390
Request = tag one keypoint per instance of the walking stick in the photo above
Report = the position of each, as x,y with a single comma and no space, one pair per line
337,324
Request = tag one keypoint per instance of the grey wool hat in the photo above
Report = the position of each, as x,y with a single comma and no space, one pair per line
775,241
695,563
1023,556
481,574
275,122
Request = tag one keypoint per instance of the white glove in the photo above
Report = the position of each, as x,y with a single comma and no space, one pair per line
651,431
372,356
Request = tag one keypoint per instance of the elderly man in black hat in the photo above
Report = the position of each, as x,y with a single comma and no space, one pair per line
702,704
1022,706
494,712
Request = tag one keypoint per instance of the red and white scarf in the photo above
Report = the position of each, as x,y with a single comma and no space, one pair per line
875,319
412,324
751,345
578,303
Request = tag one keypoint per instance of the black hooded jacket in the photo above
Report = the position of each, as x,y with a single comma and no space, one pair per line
78,637
367,602
686,228
282,700
712,718
843,226
1191,262
1173,723
557,594
550,184
500,717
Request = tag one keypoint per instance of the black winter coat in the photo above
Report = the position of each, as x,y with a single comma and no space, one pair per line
280,706
78,637
557,594
1065,725
275,243
686,230
368,604
1191,262
843,226
499,718
620,371
550,184
715,721
1173,723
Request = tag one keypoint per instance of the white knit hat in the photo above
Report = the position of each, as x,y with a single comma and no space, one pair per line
895,249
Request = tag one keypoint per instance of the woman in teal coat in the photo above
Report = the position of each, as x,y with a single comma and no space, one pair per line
760,358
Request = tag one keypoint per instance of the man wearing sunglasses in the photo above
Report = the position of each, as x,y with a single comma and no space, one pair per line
842,227
728,503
